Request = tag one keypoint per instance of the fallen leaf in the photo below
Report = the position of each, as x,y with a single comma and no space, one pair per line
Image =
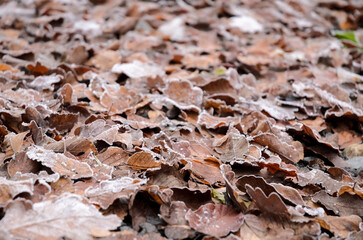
142,160
21,163
11,188
341,226
269,204
59,163
108,191
184,94
47,220
113,156
215,219
343,205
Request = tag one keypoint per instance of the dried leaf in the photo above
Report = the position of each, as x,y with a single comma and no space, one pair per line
108,191
11,188
184,94
142,160
59,163
340,226
344,205
215,219
65,216
270,204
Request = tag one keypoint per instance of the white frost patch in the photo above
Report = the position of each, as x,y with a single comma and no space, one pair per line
115,186
295,56
347,76
174,29
246,24
137,69
88,27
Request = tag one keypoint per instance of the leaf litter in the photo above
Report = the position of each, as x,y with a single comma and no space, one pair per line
143,120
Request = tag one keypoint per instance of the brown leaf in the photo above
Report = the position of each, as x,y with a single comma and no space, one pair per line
108,191
270,204
215,219
316,176
59,163
77,55
21,163
289,193
38,69
234,147
343,205
174,215
65,216
117,98
11,188
184,94
105,60
292,151
356,189
257,227
167,176
206,171
340,226
142,160
113,156
62,122
213,122
75,145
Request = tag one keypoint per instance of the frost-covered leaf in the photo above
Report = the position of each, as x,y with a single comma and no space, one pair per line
215,219
108,191
59,163
66,216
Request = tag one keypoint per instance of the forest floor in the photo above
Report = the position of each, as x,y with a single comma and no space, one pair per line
181,119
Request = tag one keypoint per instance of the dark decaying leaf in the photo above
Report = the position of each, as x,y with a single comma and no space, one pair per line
62,122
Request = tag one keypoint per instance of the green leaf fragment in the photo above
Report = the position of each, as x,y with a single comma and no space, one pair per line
346,35
96,159
219,196
219,71
247,203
